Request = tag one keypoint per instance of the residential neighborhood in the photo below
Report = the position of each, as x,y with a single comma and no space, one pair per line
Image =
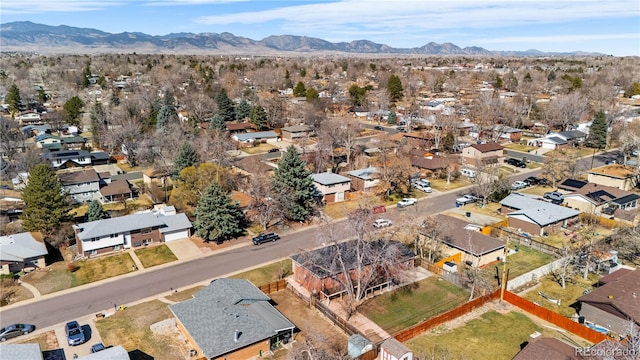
169,206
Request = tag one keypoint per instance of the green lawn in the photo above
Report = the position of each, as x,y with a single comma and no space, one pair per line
441,185
493,335
59,277
518,147
573,290
401,308
130,328
525,260
260,148
155,255
267,274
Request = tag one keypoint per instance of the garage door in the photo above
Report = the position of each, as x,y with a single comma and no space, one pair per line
176,235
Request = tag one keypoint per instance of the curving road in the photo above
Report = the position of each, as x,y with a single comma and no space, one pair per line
93,298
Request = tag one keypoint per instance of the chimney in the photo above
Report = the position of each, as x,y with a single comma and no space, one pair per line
236,335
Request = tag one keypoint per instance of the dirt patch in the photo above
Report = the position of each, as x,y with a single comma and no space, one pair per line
47,341
11,292
213,246
308,321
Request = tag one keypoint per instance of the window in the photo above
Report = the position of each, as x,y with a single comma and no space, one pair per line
147,241
93,252
113,236
117,247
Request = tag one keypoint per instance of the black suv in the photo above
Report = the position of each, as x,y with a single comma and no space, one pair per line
266,237
515,162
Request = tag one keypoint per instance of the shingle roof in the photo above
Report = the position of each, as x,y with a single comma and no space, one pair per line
255,135
555,139
327,178
322,262
110,353
226,305
395,347
469,241
297,128
175,223
488,147
78,177
548,349
116,187
18,247
21,351
538,211
100,228
622,293
364,174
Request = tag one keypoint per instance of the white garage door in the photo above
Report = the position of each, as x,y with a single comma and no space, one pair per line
176,235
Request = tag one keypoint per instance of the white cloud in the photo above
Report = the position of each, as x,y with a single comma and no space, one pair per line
557,38
189,2
44,6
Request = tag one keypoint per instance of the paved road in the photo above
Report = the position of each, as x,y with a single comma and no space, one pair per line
91,299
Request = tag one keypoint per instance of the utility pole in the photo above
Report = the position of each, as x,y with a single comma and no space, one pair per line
503,283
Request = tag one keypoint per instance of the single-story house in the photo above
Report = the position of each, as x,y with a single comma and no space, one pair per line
574,137
535,216
615,175
238,127
11,204
117,190
23,250
548,348
434,163
615,304
482,154
322,271
423,140
504,133
297,132
360,112
82,186
571,185
332,186
477,248
231,319
552,141
153,176
594,198
364,179
135,230
250,137
21,351
392,349
74,158
110,353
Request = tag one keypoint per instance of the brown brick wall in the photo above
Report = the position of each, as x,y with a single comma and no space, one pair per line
249,352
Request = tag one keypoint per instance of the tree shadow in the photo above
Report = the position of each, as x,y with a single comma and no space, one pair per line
54,255
139,355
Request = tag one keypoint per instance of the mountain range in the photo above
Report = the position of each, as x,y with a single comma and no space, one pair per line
31,37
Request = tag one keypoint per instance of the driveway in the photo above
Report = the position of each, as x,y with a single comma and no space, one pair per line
91,336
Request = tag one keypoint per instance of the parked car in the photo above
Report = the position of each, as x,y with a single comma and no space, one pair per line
380,223
379,209
97,347
466,199
378,127
531,180
517,185
274,150
400,128
13,330
423,187
407,202
264,238
554,196
75,335
515,162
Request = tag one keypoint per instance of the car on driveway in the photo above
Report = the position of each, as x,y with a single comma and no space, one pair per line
75,335
515,162
380,223
264,238
466,199
422,187
407,202
554,196
531,180
13,330
517,185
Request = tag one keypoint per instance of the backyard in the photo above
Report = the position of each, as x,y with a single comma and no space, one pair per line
59,277
409,305
574,288
155,255
492,335
525,260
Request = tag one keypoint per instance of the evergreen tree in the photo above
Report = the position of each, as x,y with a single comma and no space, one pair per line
357,95
598,131
634,89
96,212
394,88
72,109
218,123
258,117
527,77
217,218
98,120
243,110
187,156
392,118
449,141
14,100
498,84
225,105
165,115
299,90
292,186
46,205
312,94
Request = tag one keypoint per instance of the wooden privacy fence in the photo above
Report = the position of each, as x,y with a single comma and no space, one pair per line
273,287
415,330
554,318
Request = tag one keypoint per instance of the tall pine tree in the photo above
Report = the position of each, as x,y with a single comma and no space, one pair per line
598,131
293,187
218,123
258,117
217,218
96,212
46,205
225,105
394,88
187,156
14,100
243,110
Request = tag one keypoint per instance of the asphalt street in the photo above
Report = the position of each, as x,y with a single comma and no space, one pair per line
90,299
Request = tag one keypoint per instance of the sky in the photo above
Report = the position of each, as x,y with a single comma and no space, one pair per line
606,26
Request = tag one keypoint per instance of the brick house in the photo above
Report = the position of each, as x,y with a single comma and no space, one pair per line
333,187
231,319
476,248
321,272
364,179
482,154
533,215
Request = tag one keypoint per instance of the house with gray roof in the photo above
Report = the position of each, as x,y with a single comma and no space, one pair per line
20,251
232,319
21,352
135,230
110,353
333,187
297,132
250,137
81,185
364,179
534,215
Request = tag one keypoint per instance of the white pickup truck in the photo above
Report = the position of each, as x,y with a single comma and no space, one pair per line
466,199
